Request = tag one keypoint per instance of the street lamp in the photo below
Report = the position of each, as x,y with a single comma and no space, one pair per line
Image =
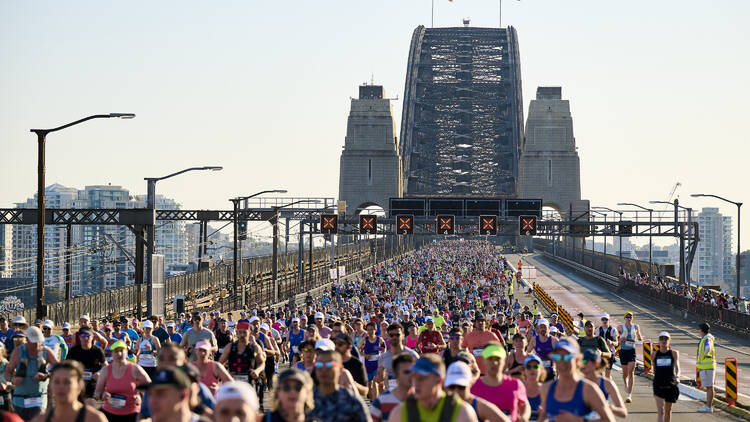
679,231
739,204
650,231
151,229
235,212
41,135
619,237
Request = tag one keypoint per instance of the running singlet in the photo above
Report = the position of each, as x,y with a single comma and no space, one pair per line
576,405
240,364
430,341
629,343
372,349
543,349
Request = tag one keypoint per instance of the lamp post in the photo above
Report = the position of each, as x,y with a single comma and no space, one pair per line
275,224
619,238
41,135
650,231
593,241
738,204
680,231
235,212
151,230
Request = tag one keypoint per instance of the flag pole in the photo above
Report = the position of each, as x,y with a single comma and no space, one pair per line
500,13
432,22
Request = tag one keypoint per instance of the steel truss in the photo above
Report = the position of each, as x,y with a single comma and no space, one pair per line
463,113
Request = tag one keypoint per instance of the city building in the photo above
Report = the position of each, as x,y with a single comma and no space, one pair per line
171,236
714,262
6,250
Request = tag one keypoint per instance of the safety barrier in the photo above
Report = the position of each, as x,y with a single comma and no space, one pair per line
647,356
552,306
730,380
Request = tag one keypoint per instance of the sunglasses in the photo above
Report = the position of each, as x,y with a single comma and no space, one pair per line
628,317
327,365
604,319
309,350
394,335
534,366
561,358
84,335
289,387
585,361
663,338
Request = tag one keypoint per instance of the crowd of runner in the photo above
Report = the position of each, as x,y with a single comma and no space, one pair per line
438,334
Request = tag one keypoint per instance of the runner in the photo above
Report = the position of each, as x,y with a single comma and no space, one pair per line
244,358
27,368
147,348
458,380
570,392
431,340
507,393
307,349
385,368
514,363
293,398
67,384
370,350
455,341
90,357
610,335
333,403
542,344
533,377
666,377
478,338
195,334
212,373
117,384
295,337
381,407
629,333
53,341
593,363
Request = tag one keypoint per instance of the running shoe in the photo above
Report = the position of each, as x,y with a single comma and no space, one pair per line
706,409
628,399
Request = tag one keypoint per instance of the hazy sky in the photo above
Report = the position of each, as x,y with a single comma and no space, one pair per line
658,90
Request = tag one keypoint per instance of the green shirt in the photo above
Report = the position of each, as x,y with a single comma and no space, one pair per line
431,415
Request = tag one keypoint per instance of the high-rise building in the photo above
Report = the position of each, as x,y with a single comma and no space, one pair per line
6,250
171,238
714,262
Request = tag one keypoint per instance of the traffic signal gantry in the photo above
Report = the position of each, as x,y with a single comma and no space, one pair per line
446,224
488,225
405,224
527,225
329,223
368,224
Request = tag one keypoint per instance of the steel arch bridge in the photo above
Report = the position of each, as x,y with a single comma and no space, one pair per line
462,123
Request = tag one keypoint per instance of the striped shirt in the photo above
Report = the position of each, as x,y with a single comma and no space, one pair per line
381,407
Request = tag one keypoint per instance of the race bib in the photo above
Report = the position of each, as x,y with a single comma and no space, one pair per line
630,343
242,377
117,401
373,358
478,351
666,361
392,384
295,349
547,363
87,375
30,402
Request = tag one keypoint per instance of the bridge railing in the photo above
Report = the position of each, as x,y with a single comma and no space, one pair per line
208,288
663,292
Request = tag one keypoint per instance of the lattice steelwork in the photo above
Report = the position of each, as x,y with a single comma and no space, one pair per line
462,122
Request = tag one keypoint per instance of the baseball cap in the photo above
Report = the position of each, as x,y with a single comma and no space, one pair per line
292,374
148,324
424,366
172,377
494,351
66,326
605,316
664,334
553,329
238,390
170,324
459,374
48,323
542,322
253,319
264,326
592,355
429,319
568,345
325,345
319,315
19,319
295,319
628,314
243,325
478,316
203,344
34,335
119,344
531,358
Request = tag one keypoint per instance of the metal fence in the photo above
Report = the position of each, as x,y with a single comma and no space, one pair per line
611,264
208,287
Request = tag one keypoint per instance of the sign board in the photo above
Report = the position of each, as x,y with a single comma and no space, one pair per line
333,273
341,207
342,271
528,272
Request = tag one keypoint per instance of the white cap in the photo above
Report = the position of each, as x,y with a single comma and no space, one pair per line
170,324
66,326
605,315
325,345
264,326
48,323
85,316
148,324
459,374
253,319
238,390
553,329
19,319
34,335
664,334
542,322
538,312
319,315
295,319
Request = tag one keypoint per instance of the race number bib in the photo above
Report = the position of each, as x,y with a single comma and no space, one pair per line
373,358
392,384
30,402
478,351
630,343
117,401
666,361
242,377
87,375
295,349
547,363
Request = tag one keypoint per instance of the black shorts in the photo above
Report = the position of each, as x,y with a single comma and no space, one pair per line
670,393
627,356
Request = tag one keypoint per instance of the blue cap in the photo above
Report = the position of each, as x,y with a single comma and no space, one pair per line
568,345
425,367
593,355
531,358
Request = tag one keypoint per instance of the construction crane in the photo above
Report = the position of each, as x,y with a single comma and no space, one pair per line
672,192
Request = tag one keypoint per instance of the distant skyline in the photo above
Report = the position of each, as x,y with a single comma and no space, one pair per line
657,90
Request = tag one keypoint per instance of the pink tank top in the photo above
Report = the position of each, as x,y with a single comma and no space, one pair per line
210,380
123,391
411,342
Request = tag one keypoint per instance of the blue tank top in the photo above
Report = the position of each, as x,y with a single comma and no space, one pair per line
575,406
296,339
535,402
31,393
593,415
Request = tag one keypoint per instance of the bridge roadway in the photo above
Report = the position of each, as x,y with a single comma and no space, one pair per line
577,294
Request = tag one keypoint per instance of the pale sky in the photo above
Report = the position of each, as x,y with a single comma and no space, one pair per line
658,90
